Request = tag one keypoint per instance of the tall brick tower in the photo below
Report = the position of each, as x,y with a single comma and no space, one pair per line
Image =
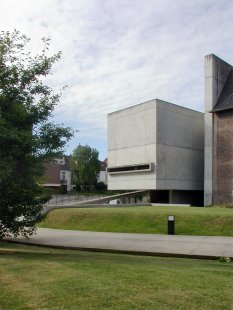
218,185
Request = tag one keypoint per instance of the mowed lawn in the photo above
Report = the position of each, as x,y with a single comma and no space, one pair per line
43,278
209,221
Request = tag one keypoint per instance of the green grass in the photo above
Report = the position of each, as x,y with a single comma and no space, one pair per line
42,278
188,220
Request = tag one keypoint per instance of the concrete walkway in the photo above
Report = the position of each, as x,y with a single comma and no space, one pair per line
140,244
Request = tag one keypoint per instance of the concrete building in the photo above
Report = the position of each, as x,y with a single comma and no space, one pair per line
160,146
157,146
218,131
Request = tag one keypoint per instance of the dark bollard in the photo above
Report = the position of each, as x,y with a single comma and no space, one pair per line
171,225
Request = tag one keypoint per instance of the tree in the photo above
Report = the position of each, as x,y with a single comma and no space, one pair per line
28,138
101,187
85,166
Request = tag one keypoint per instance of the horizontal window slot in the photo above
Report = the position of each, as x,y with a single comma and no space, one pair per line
130,168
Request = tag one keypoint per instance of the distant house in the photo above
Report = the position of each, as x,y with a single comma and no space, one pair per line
58,173
102,177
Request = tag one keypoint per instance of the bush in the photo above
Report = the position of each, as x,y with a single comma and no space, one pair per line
101,187
63,189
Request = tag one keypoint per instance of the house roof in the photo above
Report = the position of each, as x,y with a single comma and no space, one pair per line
225,100
103,165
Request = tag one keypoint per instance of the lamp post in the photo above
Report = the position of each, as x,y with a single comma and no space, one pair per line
171,225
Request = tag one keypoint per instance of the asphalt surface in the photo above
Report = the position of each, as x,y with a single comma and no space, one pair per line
141,244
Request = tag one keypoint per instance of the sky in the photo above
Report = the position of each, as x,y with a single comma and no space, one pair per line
119,53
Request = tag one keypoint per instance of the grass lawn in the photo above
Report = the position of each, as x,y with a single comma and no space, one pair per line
42,278
209,221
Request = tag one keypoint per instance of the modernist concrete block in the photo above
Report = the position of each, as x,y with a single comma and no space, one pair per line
150,153
165,136
150,128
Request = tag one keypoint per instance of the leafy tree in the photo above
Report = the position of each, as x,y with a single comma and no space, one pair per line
101,187
85,166
27,136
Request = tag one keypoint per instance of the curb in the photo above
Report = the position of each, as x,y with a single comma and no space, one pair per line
127,252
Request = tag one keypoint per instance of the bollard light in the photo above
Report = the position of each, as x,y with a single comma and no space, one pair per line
171,225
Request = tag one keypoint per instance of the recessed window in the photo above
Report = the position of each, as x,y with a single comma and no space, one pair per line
63,175
130,168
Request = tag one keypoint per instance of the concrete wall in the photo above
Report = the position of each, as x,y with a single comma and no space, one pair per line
132,140
167,135
180,147
216,73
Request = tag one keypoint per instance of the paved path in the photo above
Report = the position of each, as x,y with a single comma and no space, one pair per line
143,244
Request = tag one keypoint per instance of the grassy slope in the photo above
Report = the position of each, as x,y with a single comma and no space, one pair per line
189,221
39,278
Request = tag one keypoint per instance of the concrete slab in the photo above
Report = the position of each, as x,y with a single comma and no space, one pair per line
141,244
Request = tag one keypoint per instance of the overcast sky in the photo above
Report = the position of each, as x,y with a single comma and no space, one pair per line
118,53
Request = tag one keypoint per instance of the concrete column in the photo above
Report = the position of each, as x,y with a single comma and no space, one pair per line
170,196
216,73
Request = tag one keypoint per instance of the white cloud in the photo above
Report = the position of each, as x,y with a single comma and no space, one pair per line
118,53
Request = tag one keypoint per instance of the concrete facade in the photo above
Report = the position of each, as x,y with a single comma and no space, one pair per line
156,145
216,74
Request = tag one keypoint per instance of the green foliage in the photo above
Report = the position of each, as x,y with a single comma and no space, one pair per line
85,166
224,259
144,220
63,189
101,187
27,138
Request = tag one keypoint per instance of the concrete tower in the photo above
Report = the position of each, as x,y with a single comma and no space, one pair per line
217,73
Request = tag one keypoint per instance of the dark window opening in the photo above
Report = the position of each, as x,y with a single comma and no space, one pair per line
144,167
